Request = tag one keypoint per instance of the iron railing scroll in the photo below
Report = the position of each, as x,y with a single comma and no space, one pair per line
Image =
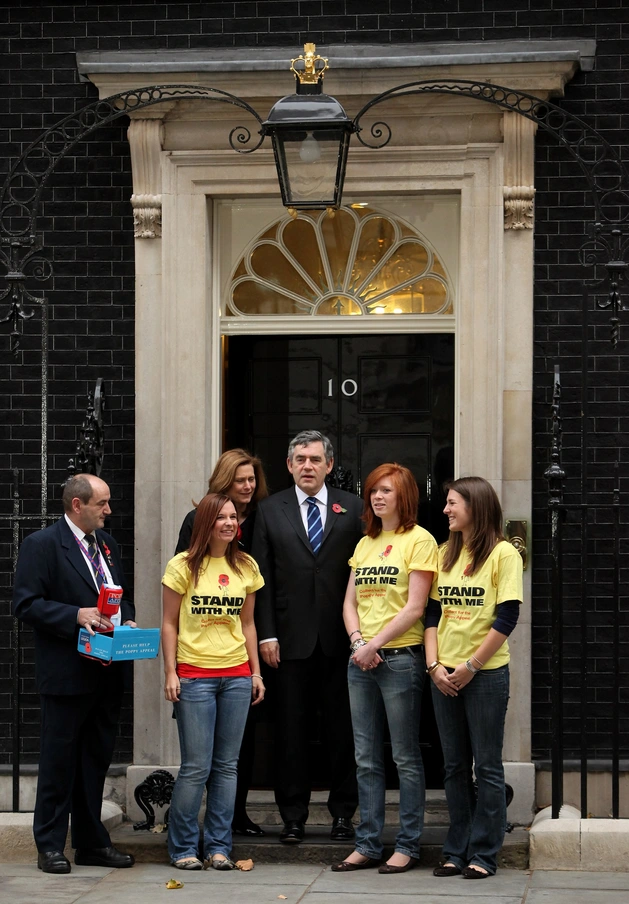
555,476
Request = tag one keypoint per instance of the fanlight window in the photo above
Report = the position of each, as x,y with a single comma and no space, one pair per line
361,261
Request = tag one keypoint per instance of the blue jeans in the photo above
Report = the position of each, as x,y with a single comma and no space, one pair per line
211,715
390,692
471,728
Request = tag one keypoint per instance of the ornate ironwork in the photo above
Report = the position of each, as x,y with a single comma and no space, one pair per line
157,789
601,166
555,475
21,194
604,171
90,446
341,479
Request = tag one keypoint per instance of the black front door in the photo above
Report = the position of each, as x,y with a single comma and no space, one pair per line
378,398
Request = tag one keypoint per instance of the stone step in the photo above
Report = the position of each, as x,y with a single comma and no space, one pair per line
261,808
317,847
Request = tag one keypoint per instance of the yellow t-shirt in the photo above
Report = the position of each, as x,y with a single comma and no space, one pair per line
469,604
381,568
210,634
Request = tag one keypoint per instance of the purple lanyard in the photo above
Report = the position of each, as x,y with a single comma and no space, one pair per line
96,565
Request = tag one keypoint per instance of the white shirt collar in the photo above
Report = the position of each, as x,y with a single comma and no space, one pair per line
78,533
322,495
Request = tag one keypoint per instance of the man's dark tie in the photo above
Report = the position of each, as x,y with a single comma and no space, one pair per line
94,557
315,527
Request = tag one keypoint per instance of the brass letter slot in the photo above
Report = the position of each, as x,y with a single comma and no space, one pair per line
516,533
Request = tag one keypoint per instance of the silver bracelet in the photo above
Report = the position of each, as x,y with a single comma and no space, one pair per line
358,643
471,668
257,676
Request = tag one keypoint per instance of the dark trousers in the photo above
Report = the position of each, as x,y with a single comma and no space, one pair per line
303,687
245,768
77,743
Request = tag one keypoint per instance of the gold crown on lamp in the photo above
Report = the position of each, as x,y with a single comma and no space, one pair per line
310,66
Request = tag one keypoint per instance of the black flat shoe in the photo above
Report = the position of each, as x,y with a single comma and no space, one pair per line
342,829
388,868
346,866
53,862
293,832
443,872
471,873
107,856
246,826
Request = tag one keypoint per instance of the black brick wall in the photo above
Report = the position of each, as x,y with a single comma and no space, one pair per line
89,238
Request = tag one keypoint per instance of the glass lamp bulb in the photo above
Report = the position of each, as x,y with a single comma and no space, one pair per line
309,152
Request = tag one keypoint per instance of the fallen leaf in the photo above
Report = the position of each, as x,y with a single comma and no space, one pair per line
159,828
282,897
244,865
174,883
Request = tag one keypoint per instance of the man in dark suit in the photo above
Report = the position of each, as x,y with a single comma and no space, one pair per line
59,573
302,541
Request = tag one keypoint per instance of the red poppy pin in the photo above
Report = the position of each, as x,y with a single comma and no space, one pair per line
239,534
468,570
385,552
338,508
223,580
108,555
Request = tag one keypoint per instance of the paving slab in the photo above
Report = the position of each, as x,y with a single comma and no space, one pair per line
306,883
574,896
243,890
49,889
264,874
579,880
420,897
506,883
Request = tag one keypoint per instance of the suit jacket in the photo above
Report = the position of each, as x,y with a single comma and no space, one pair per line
302,600
52,582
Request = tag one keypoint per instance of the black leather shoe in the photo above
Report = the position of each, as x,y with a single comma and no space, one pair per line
245,826
292,833
342,829
108,856
53,862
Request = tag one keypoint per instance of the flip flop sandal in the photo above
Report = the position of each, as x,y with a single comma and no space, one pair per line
222,864
188,863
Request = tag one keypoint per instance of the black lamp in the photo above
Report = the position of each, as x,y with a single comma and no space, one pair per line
310,133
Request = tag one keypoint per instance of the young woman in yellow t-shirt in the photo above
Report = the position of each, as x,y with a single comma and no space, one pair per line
473,607
212,675
392,570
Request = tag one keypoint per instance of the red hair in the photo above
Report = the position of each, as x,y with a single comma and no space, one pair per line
207,512
407,498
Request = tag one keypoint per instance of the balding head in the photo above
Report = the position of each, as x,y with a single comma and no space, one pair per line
86,501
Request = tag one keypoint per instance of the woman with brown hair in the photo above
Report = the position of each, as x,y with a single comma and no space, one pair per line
473,607
392,570
239,475
212,675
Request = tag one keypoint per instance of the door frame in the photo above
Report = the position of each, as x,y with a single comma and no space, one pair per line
179,361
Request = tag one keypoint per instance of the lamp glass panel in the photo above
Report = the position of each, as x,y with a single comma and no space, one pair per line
310,163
